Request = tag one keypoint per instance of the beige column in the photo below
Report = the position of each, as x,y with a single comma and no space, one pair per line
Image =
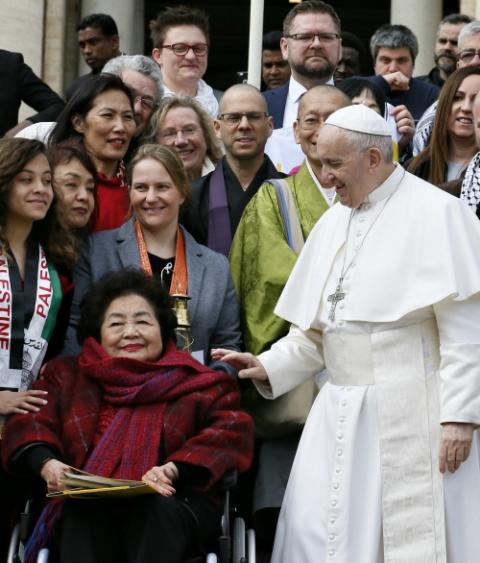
22,30
470,8
34,28
422,17
54,45
128,15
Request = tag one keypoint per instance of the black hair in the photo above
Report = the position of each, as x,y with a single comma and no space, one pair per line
351,40
355,85
271,40
82,102
118,284
105,23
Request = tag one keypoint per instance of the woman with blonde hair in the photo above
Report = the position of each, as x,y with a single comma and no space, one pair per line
153,241
181,123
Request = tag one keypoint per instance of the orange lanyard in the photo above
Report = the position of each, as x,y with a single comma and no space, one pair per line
179,284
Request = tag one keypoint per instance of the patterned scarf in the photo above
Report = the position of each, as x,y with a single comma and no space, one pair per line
139,390
424,129
470,192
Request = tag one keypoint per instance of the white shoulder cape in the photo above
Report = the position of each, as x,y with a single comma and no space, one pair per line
424,247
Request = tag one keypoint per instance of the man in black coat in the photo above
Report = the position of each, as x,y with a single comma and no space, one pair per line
21,84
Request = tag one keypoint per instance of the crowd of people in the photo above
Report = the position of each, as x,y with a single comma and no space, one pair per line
281,282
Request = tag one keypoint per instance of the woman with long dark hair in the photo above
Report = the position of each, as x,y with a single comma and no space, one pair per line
33,240
452,144
100,115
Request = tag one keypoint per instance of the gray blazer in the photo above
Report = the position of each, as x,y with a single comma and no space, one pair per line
213,307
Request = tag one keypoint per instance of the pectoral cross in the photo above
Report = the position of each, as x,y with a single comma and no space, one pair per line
335,298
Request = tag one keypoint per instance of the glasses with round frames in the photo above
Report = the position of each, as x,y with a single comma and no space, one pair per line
181,49
234,118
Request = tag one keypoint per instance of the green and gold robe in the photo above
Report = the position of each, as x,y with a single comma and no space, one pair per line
261,260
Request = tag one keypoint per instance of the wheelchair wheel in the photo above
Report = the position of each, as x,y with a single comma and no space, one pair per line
14,545
239,551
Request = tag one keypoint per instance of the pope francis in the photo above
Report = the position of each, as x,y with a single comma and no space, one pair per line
386,296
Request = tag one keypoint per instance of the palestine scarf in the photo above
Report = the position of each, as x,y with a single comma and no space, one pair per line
28,311
470,191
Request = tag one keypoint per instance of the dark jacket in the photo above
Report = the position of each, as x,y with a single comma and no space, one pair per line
21,84
276,101
213,306
77,83
417,98
195,214
433,77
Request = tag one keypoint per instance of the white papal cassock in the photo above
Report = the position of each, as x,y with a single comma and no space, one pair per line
402,356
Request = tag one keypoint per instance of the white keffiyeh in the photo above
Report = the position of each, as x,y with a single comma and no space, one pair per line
424,129
470,192
205,97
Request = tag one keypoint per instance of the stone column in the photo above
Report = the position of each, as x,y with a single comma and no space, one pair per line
54,45
422,18
470,8
129,17
23,32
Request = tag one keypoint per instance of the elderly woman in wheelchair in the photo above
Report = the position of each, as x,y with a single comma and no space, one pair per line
131,406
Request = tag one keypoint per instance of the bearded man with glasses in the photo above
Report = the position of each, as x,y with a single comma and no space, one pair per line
311,44
219,198
180,37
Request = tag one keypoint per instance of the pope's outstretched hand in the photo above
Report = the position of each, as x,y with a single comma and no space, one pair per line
248,365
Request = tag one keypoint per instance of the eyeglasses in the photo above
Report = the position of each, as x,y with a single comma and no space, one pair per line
170,135
308,38
146,102
468,55
181,49
234,118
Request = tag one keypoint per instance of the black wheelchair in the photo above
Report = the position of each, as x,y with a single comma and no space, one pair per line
235,544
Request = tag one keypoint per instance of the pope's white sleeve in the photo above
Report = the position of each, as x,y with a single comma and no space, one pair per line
459,331
291,361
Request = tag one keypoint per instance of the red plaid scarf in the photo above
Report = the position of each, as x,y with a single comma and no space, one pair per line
139,390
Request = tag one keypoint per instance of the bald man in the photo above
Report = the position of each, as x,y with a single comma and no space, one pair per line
219,198
261,260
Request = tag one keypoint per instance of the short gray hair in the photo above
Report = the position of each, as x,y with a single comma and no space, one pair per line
139,63
472,28
393,37
364,141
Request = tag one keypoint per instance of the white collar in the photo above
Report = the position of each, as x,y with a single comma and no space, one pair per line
296,90
387,188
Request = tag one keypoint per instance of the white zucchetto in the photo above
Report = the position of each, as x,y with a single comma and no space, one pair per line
361,119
